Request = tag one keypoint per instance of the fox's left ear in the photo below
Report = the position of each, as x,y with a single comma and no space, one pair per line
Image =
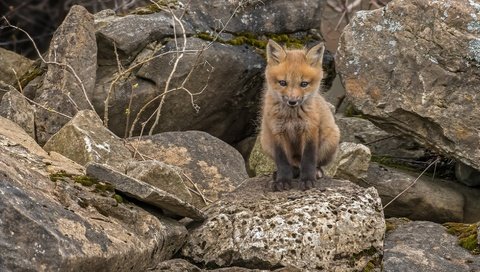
315,55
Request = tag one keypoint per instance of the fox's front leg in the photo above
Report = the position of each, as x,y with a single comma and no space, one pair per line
308,165
283,178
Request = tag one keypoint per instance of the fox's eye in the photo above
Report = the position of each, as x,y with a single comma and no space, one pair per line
282,83
303,84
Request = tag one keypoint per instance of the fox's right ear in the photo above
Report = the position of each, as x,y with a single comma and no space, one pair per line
275,53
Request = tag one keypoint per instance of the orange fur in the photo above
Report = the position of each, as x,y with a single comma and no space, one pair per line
291,127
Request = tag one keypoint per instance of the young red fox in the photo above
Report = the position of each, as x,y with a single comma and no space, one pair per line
298,130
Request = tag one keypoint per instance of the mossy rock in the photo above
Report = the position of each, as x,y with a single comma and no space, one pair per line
467,235
258,162
154,8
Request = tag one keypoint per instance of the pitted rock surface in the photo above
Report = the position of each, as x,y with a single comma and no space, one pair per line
338,229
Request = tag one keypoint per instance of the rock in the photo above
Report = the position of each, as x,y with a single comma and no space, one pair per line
143,191
10,60
259,17
426,246
52,223
397,71
16,108
212,165
338,229
433,200
380,142
131,33
73,44
258,162
467,175
351,162
226,80
181,265
162,176
84,139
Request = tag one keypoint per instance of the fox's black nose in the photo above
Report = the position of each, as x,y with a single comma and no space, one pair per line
292,103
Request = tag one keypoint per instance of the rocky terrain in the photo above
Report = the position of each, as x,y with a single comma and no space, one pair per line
130,144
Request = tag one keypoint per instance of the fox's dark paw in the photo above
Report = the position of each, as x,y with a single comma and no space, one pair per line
306,184
282,184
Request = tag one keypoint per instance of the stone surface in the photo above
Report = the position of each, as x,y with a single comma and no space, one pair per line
131,33
338,229
144,191
84,139
258,162
467,175
426,247
73,44
432,200
226,80
16,108
64,226
380,142
351,162
161,175
259,17
10,60
398,71
212,165
181,265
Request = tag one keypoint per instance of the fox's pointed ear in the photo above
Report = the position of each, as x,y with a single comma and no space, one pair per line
275,53
315,55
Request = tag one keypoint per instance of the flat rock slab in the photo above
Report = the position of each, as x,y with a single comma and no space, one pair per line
144,191
427,247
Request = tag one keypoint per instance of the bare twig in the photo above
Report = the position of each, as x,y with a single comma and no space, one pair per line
413,183
198,192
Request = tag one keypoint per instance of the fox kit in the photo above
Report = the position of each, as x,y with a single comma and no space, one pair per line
298,130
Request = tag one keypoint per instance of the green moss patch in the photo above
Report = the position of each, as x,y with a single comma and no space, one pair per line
467,235
84,180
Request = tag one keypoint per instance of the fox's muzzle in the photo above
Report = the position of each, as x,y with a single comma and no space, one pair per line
292,102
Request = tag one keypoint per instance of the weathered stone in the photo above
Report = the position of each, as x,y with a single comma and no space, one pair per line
84,139
131,33
259,17
467,175
162,176
214,166
351,162
144,191
11,61
338,229
16,108
258,162
380,142
398,71
426,246
225,78
63,226
432,200
65,87
181,265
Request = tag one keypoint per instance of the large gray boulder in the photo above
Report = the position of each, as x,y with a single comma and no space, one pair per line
207,165
259,17
84,139
338,229
65,85
226,80
399,70
54,218
426,247
428,199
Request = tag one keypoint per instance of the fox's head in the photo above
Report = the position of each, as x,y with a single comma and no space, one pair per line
294,75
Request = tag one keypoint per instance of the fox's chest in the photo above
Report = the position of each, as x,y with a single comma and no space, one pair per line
293,125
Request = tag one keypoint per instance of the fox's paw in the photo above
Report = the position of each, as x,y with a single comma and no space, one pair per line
306,184
282,184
